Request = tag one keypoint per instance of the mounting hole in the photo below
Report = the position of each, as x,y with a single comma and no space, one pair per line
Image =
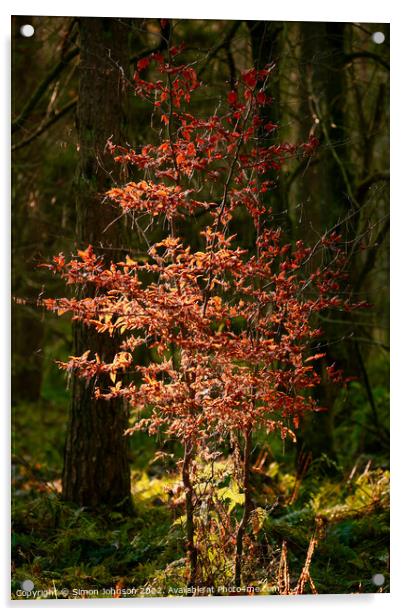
378,38
27,30
27,585
378,579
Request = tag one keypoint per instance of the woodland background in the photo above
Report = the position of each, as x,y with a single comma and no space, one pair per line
331,81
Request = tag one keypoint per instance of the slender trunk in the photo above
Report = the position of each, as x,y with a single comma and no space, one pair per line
246,508
192,553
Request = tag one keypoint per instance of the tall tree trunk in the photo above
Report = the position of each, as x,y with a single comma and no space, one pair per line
27,337
266,43
27,326
324,186
96,466
323,82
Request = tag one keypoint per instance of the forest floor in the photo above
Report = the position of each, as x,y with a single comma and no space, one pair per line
66,551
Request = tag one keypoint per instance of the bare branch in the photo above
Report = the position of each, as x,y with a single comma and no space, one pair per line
41,129
368,55
40,91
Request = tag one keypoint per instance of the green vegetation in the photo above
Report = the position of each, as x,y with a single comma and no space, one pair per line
56,544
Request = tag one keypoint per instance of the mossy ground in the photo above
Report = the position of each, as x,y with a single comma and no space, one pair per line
57,545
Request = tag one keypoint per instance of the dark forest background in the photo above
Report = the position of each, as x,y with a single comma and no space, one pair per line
83,495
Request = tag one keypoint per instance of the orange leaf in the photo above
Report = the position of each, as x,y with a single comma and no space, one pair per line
191,151
317,356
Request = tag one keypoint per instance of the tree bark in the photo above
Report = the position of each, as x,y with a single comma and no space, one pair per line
323,187
96,466
27,356
266,43
247,507
323,84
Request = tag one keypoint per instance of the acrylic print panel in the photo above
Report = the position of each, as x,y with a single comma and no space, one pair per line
201,315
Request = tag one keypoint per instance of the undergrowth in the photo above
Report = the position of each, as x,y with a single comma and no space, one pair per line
57,545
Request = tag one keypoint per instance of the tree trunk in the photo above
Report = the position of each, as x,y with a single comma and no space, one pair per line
27,355
323,188
328,183
96,466
266,43
247,507
192,554
27,327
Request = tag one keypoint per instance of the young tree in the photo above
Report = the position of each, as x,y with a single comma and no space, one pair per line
230,330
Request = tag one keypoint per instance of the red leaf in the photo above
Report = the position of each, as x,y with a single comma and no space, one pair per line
261,98
232,97
250,78
143,63
270,126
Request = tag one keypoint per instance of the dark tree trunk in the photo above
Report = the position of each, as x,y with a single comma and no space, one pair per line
27,326
96,466
27,336
328,184
266,43
192,553
247,507
324,187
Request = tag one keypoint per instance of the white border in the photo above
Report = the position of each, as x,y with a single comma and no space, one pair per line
294,10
